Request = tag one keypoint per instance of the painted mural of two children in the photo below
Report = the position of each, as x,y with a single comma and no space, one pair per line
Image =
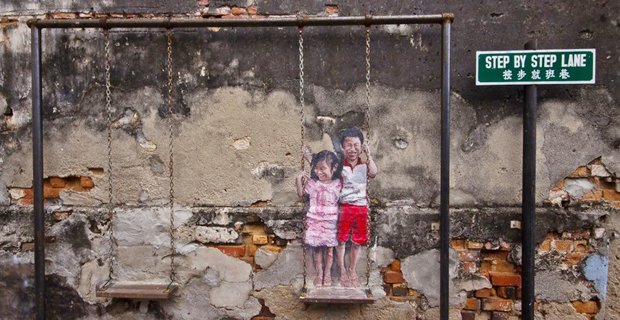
338,206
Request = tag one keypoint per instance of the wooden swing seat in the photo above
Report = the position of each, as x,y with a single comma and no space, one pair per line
136,290
337,295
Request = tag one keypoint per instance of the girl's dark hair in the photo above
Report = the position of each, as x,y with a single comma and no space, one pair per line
353,133
332,160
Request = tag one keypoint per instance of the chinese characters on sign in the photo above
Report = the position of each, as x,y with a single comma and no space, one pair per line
535,67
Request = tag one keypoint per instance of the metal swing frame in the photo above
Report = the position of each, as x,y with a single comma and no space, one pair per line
36,25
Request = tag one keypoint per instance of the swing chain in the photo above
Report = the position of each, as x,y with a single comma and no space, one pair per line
171,153
368,221
302,101
108,104
367,34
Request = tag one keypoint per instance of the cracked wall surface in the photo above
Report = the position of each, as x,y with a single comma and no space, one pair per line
236,126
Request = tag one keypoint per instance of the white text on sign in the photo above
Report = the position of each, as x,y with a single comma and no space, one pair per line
536,61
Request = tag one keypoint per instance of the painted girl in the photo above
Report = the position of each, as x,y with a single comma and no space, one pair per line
323,189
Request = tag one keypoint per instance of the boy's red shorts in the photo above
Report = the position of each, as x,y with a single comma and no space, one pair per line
353,220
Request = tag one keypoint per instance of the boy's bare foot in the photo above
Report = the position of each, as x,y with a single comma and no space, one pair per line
354,282
344,279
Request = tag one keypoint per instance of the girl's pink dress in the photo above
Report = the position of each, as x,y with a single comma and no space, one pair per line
322,216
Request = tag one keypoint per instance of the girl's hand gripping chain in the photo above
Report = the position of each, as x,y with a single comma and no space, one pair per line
300,182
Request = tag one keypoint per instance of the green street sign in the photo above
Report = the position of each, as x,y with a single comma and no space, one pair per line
569,66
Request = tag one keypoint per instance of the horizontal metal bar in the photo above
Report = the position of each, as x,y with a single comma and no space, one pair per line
299,21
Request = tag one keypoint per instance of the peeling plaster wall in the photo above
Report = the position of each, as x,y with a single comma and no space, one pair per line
236,129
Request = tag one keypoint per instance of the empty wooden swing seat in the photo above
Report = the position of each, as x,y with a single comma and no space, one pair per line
136,290
337,295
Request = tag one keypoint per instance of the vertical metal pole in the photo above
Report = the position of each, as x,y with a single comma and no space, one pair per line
37,175
444,221
529,194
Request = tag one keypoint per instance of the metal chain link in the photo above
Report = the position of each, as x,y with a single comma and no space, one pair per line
171,154
301,89
302,133
367,124
108,105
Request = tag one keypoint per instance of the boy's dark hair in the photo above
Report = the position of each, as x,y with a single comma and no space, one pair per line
352,133
332,161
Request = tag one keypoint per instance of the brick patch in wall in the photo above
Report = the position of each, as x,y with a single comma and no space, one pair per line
253,237
586,307
394,284
52,187
603,191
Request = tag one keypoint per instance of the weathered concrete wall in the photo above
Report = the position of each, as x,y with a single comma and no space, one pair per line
237,218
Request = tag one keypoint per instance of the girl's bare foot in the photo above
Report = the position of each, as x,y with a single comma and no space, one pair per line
327,279
318,280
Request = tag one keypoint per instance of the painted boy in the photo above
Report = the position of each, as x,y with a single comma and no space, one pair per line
353,219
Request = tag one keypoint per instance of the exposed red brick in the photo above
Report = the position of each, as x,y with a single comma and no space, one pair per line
470,267
260,239
251,249
262,318
581,234
86,182
588,307
57,182
388,289
469,255
468,315
472,304
580,245
252,10
331,9
611,195
473,245
500,315
61,215
459,244
51,193
503,266
575,258
494,255
400,290
63,15
202,2
413,293
9,23
497,304
507,292
400,299
233,250
558,186
237,11
505,279
596,195
395,265
562,245
581,172
544,246
271,248
27,246
393,277
505,246
486,266
491,246
484,293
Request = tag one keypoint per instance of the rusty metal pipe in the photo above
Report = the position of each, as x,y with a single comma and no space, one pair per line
303,21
